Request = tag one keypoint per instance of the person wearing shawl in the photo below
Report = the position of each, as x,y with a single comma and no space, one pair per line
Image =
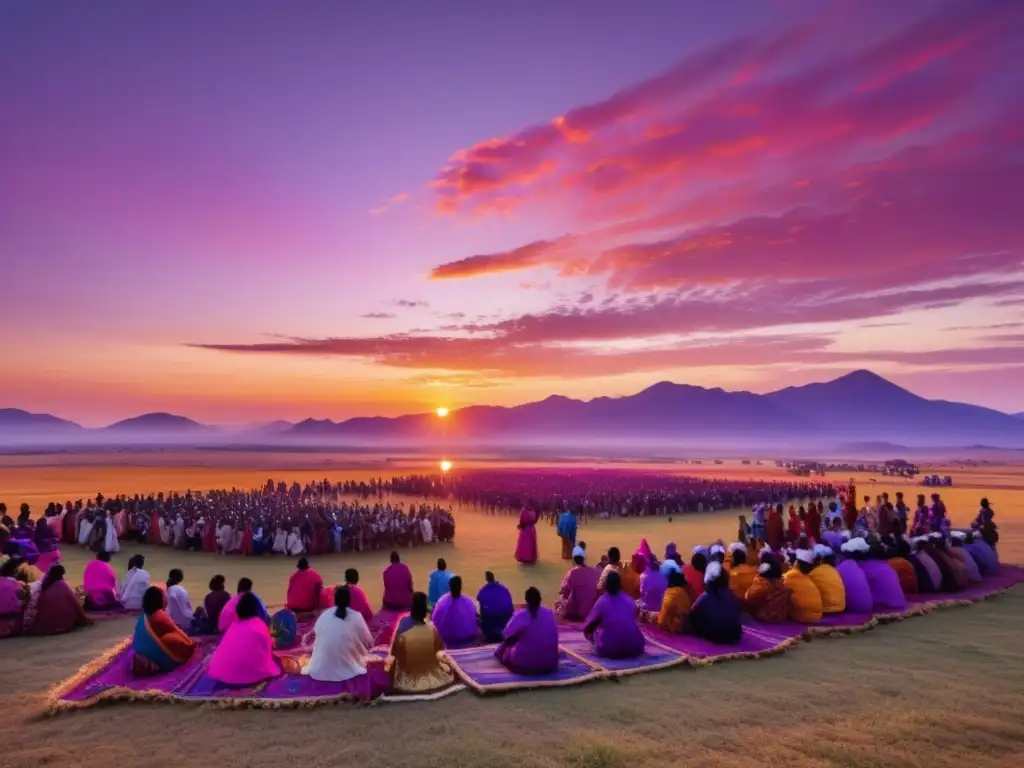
858,592
957,550
158,645
741,573
342,642
52,606
886,593
526,545
529,644
398,585
954,578
359,601
673,616
99,580
13,596
45,538
903,567
985,524
693,571
229,614
612,624
496,608
455,617
812,523
774,529
417,663
984,554
929,577
244,655
134,584
828,581
304,587
715,615
768,598
438,583
567,532
805,600
578,591
652,587
794,526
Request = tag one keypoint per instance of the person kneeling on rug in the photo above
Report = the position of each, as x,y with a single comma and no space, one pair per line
496,608
805,600
455,617
244,655
530,642
674,615
417,662
578,592
768,598
828,581
53,608
158,645
612,625
304,588
100,584
342,642
715,616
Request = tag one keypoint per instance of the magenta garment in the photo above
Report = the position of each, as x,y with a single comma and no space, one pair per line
455,619
858,591
579,592
530,644
652,589
884,583
359,602
398,587
616,634
971,567
244,655
10,596
99,580
526,546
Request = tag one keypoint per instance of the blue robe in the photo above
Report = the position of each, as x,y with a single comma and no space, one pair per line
567,526
438,586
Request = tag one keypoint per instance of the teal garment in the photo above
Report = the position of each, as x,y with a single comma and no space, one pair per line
284,628
438,586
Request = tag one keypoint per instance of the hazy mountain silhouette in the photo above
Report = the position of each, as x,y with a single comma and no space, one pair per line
858,408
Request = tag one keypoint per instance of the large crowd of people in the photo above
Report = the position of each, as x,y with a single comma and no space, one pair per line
850,559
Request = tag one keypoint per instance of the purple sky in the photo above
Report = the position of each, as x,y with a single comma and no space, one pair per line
240,210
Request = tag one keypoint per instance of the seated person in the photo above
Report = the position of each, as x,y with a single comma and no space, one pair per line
284,628
674,614
715,615
693,571
342,642
358,600
614,565
957,550
228,613
768,597
437,585
741,573
52,606
904,569
804,600
135,584
13,595
99,580
496,608
417,662
652,587
929,578
179,607
954,578
858,591
828,581
398,588
886,592
304,588
158,644
529,645
455,617
984,554
213,604
612,624
244,655
578,591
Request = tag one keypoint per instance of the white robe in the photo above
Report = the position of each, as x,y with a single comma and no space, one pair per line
133,587
294,545
280,542
179,607
84,529
340,647
110,542
427,529
226,539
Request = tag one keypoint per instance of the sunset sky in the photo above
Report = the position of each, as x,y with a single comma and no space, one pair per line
241,211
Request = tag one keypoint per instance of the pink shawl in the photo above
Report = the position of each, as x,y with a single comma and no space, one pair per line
100,583
244,655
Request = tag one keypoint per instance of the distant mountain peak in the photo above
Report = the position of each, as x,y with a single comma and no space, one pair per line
157,420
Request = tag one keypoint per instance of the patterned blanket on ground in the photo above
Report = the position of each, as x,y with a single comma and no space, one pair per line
110,677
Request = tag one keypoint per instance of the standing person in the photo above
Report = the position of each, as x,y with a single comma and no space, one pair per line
985,524
567,532
526,546
774,530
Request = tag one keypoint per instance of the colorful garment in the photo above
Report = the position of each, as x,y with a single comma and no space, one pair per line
304,590
805,599
612,627
284,629
673,616
158,645
213,604
244,655
417,662
694,578
652,589
858,591
455,619
905,573
437,586
358,601
984,555
526,545
886,592
496,609
830,586
13,596
567,532
100,583
967,562
578,593
768,600
229,613
53,611
529,643
715,617
398,587
340,648
740,578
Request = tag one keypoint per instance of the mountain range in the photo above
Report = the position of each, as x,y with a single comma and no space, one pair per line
860,406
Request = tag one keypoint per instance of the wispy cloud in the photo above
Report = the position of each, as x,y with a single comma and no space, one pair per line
394,200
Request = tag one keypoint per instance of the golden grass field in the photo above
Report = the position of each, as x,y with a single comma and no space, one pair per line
941,690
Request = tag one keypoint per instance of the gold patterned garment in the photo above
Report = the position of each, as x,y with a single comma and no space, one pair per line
417,661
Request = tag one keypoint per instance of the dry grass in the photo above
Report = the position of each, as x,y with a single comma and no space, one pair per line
940,690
